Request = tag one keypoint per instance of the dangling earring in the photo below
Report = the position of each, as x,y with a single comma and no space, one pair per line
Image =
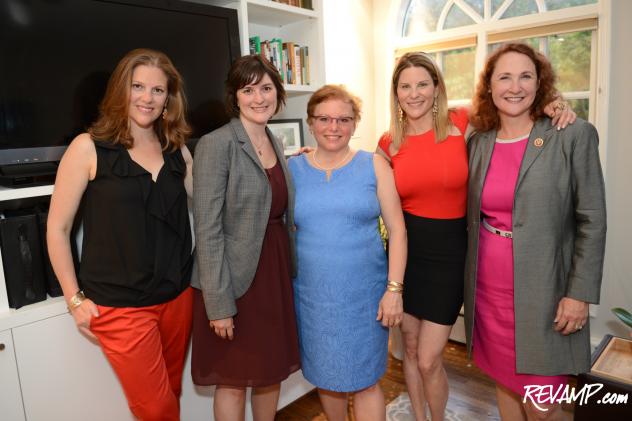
164,113
400,114
435,109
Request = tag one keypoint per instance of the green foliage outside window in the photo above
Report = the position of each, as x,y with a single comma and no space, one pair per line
570,55
458,72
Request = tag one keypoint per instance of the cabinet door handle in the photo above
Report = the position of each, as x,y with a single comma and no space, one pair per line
1,347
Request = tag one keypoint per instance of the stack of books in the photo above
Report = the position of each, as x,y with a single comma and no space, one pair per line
290,59
305,4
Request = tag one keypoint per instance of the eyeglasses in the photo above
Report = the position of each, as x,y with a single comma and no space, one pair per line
325,120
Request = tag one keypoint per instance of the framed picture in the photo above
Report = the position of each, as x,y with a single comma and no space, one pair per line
289,132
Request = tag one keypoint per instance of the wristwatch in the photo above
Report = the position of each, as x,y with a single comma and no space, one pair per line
76,300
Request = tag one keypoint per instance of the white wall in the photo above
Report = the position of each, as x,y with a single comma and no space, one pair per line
616,290
384,25
349,54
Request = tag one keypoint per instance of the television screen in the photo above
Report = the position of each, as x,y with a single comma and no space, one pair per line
57,55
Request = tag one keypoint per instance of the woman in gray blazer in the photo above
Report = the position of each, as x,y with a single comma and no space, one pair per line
537,227
244,327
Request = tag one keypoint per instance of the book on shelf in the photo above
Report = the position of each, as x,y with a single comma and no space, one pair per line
299,65
289,58
255,44
306,65
304,4
291,64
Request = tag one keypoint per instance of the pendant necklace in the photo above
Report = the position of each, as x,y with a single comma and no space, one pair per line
333,167
258,147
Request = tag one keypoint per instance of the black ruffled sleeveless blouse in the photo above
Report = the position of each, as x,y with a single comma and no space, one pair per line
136,232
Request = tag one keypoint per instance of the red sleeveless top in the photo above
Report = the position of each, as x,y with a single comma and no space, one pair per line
431,178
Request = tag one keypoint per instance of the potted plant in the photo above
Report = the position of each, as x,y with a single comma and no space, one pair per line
623,315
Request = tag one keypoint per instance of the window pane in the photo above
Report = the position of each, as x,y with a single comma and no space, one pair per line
477,5
422,16
496,5
570,56
580,106
520,8
457,17
562,4
458,72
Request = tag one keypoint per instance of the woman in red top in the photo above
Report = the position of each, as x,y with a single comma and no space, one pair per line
426,148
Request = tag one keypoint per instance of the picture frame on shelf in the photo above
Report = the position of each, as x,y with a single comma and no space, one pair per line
289,132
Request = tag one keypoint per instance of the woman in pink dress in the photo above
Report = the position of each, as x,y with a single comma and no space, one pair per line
536,223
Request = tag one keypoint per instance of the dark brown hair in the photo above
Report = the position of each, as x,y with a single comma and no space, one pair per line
329,92
113,122
248,70
484,112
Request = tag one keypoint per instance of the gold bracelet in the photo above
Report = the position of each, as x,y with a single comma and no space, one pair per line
75,301
393,286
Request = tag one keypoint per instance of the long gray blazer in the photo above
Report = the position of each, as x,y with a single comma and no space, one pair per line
231,205
559,227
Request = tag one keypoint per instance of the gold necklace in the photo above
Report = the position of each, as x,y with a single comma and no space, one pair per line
336,165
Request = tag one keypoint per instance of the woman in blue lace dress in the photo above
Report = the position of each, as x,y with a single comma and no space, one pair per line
346,295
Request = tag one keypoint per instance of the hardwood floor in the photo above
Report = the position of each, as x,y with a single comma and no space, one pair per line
472,393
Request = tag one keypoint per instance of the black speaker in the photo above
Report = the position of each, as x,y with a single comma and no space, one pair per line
52,283
22,259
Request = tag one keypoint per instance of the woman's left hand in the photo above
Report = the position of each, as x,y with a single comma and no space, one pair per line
561,114
571,316
391,309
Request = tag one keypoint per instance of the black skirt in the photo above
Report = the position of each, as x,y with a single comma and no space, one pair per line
433,282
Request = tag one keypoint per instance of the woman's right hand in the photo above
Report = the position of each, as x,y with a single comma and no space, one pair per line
223,327
83,314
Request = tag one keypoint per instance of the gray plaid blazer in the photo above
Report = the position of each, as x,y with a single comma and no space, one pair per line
559,226
231,205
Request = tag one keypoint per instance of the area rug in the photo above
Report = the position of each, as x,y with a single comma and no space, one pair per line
401,410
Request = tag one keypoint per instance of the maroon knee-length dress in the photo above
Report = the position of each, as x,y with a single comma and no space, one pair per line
264,350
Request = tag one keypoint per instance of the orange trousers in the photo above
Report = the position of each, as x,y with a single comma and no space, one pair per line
146,347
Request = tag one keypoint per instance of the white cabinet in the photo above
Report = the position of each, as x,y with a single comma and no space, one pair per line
11,406
64,376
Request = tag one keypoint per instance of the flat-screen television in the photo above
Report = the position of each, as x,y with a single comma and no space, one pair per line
56,57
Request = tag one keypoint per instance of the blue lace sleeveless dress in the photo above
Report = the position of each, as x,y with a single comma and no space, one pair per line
342,273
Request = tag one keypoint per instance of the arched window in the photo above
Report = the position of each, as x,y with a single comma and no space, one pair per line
460,33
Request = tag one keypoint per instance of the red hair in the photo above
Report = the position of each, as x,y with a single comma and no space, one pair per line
113,122
484,112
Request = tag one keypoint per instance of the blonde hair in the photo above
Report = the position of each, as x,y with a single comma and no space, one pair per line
442,122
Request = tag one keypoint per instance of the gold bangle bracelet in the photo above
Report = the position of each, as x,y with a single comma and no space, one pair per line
75,301
395,286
